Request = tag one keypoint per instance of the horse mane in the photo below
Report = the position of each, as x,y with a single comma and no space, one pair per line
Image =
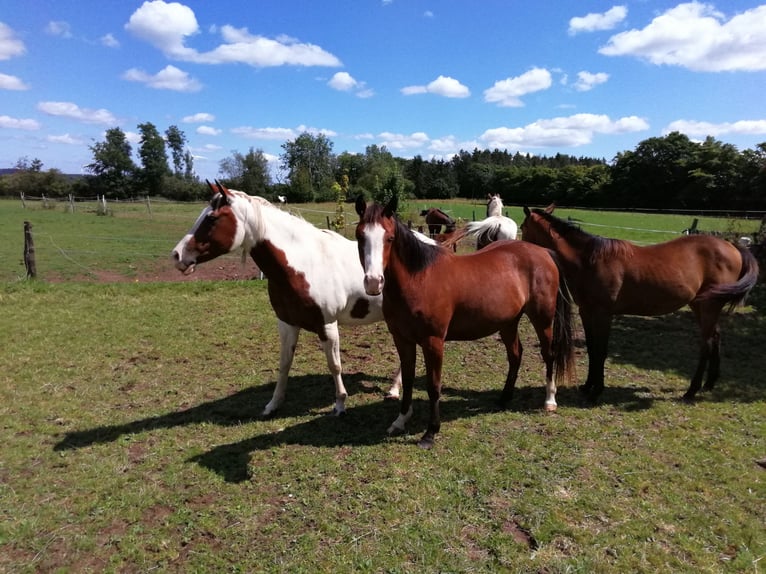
599,247
415,254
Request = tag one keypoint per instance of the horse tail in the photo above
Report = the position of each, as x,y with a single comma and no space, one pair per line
563,328
734,294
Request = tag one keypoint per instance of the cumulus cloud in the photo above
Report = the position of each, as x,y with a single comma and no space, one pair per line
12,83
594,22
570,131
64,139
270,133
169,78
59,28
10,45
109,41
508,92
166,26
345,82
587,81
19,123
75,112
697,37
198,118
403,141
208,131
441,86
695,128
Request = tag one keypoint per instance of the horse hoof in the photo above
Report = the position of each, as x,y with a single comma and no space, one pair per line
426,443
391,397
395,431
550,408
338,413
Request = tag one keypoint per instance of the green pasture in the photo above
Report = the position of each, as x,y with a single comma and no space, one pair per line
132,441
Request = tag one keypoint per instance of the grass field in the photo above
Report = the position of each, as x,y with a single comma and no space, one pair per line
132,441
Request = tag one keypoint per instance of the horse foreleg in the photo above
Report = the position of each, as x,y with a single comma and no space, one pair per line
396,386
597,330
433,354
406,351
544,332
331,346
288,339
513,351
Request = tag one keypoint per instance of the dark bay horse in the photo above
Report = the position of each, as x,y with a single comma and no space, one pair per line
614,277
314,277
431,295
435,218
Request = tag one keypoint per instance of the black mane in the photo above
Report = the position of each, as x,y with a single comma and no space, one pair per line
597,245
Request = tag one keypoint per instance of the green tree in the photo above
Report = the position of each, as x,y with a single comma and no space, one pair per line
248,173
310,164
112,166
183,162
154,161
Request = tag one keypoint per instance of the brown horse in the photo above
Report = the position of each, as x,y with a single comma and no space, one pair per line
614,277
435,218
431,295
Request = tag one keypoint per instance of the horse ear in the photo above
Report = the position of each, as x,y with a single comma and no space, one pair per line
223,191
361,205
391,206
212,188
526,211
550,208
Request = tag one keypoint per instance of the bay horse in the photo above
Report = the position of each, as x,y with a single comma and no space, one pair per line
435,218
314,277
431,295
615,277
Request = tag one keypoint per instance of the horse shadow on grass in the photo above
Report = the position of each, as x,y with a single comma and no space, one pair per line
670,344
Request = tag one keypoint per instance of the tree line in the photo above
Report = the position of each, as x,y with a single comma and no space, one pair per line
670,172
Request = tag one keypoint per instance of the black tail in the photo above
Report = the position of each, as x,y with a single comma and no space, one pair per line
563,329
734,294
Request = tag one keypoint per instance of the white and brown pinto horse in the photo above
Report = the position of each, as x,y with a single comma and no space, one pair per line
314,278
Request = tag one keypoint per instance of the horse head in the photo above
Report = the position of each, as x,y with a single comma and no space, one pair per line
217,231
375,235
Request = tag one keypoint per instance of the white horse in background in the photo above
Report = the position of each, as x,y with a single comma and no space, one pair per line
495,227
315,281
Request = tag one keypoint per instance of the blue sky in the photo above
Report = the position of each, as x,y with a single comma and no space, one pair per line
421,77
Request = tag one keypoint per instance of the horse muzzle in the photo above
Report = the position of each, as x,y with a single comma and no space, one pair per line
373,285
186,267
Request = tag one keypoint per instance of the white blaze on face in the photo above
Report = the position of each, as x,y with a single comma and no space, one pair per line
180,255
373,259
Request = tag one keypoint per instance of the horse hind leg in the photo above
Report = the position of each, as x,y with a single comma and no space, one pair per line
709,353
545,336
288,339
513,351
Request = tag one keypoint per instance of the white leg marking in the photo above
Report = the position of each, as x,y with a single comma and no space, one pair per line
396,385
400,424
550,395
331,348
288,338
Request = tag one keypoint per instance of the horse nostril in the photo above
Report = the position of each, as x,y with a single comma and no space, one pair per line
176,256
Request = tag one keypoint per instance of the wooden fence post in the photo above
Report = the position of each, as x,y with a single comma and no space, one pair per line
23,203
29,251
149,206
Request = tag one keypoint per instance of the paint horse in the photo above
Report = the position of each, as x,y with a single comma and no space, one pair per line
614,277
314,277
431,295
495,227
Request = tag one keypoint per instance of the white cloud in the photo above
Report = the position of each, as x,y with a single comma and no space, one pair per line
12,83
109,41
403,141
208,131
345,82
594,22
441,86
10,45
570,131
698,37
703,129
59,28
166,26
198,118
18,124
507,93
75,112
265,133
64,139
587,81
169,78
